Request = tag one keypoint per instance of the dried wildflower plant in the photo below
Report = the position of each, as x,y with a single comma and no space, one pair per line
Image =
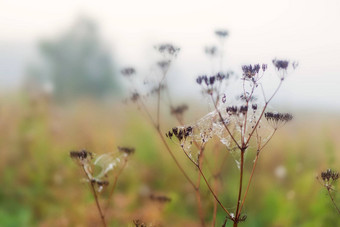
96,170
237,126
157,90
154,84
328,180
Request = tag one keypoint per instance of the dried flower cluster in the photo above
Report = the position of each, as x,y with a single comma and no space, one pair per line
210,50
328,179
282,67
276,120
237,125
153,86
181,133
212,84
129,71
234,110
106,163
179,110
126,150
160,198
329,175
252,72
222,33
168,48
81,156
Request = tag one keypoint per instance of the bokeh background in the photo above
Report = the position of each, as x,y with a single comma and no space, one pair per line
61,90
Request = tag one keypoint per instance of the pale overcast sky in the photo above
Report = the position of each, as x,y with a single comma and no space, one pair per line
303,30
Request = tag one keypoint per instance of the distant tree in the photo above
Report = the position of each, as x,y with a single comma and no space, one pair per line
77,64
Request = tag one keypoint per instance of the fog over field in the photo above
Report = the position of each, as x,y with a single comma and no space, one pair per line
304,31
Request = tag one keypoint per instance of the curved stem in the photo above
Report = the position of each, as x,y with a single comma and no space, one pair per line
330,195
158,105
251,177
240,186
198,195
114,184
207,183
213,193
261,115
174,158
101,214
270,137
156,126
225,126
98,206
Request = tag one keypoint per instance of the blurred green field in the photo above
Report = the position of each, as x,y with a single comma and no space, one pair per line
42,186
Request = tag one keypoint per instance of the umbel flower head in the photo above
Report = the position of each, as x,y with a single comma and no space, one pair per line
126,150
210,50
81,157
221,33
128,71
251,72
328,178
180,133
96,169
168,49
329,175
210,84
276,120
282,66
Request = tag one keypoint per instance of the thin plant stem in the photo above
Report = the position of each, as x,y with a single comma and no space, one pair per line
330,195
265,144
253,170
114,184
147,113
213,193
215,205
98,206
251,177
207,183
166,146
198,195
215,182
225,222
158,105
174,158
102,217
240,185
262,113
157,127
238,212
225,126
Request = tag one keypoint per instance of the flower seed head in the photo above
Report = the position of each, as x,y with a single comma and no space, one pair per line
329,175
126,150
277,120
129,71
81,155
167,48
179,110
160,198
221,33
280,64
211,51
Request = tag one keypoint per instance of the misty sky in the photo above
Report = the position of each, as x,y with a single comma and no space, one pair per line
307,31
